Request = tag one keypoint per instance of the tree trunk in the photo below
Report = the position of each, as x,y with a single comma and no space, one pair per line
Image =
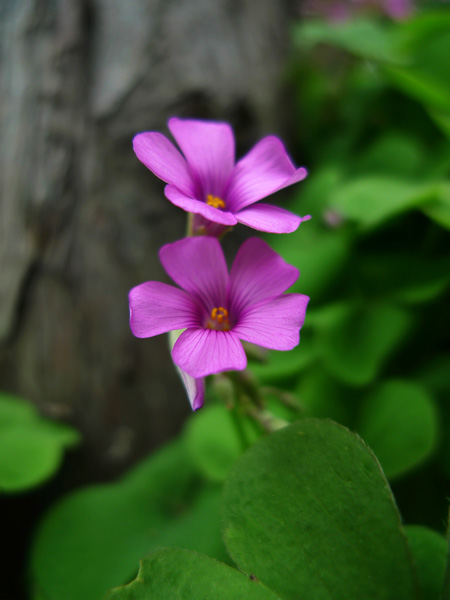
81,219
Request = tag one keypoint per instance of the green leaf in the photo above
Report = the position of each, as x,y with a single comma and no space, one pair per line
321,395
442,120
421,279
420,86
427,78
93,539
213,440
318,253
31,448
355,340
429,552
399,422
373,199
439,210
446,586
394,154
15,410
282,366
173,574
307,510
364,38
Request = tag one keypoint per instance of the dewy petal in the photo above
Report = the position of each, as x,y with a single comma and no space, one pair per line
272,219
158,308
275,324
199,208
159,155
264,170
197,264
195,388
258,273
209,151
202,352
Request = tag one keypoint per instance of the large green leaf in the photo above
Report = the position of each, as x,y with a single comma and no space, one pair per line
355,340
399,422
94,538
173,574
309,513
429,551
31,448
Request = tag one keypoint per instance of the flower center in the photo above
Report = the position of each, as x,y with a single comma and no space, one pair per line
214,201
218,319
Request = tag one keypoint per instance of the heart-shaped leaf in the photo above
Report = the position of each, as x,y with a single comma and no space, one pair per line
309,513
171,574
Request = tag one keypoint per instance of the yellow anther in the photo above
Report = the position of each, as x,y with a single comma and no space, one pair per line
214,201
219,319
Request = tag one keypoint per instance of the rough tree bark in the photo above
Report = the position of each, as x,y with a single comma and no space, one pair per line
81,219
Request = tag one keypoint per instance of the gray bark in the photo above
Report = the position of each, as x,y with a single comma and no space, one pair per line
81,219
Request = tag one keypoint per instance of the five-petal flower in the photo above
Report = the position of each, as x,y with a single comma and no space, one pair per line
207,182
217,309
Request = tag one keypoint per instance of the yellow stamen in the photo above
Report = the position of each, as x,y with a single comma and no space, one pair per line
219,319
214,201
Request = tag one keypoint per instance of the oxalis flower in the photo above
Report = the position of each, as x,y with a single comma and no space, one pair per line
217,309
207,182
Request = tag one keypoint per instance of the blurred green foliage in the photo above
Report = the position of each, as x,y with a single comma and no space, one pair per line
373,115
31,447
372,103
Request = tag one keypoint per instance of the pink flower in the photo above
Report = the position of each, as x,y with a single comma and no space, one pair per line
217,309
206,181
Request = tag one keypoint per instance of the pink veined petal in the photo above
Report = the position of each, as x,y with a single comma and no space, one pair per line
258,273
197,264
199,208
273,219
159,155
275,324
264,170
209,151
202,352
158,308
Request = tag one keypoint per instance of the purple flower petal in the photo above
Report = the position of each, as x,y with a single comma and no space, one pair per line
200,208
272,219
275,324
202,352
264,170
195,388
158,308
209,151
198,266
159,155
258,273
